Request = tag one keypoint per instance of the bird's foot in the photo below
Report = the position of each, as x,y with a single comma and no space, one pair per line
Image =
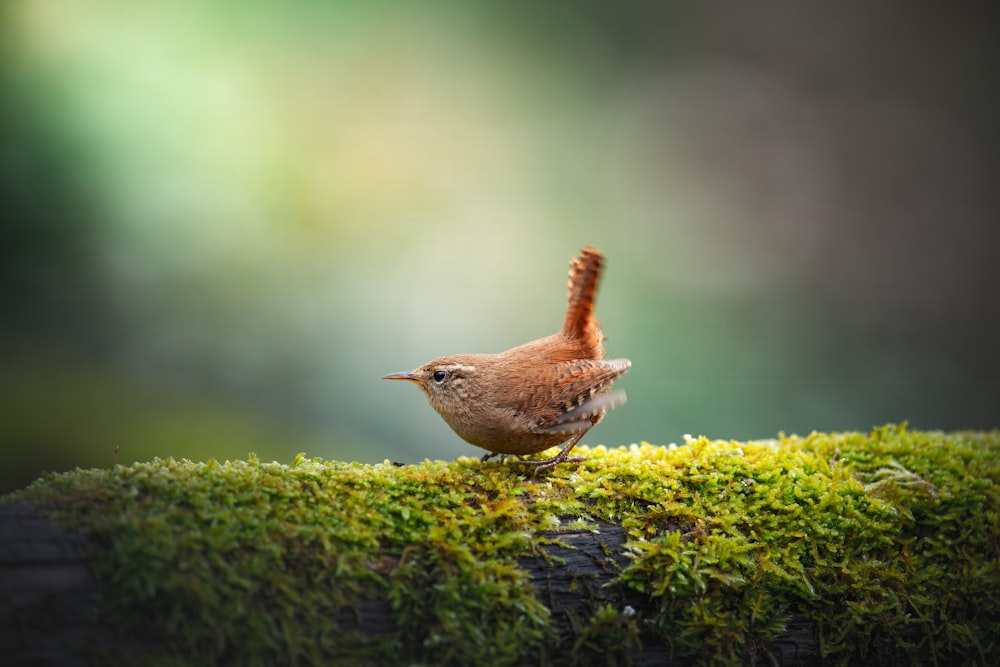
545,464
562,457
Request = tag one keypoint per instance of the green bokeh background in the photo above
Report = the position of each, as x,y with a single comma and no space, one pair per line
223,222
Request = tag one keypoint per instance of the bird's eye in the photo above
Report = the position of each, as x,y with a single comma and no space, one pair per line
439,376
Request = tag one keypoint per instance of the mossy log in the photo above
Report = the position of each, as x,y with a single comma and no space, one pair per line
868,548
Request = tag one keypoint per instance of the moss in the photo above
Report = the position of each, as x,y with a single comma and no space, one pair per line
886,543
610,637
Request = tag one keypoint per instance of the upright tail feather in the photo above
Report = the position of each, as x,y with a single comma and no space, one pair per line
584,272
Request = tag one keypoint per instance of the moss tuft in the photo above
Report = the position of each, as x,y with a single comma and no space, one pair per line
609,637
886,543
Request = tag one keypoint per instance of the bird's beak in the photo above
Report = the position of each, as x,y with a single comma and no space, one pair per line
401,376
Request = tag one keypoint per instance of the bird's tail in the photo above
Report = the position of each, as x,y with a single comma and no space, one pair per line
584,272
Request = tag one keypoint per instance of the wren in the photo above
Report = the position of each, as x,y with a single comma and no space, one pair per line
533,396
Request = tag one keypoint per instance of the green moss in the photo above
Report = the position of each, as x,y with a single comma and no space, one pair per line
610,637
888,543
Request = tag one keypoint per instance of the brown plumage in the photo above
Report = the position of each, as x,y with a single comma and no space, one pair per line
580,323
533,396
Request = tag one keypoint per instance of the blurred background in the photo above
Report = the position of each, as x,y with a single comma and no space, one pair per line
224,222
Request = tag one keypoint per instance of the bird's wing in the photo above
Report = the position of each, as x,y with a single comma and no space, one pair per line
582,394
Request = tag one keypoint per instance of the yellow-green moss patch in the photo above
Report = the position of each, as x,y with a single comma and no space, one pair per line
886,543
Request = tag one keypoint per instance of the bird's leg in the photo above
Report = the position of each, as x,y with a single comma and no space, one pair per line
562,457
488,456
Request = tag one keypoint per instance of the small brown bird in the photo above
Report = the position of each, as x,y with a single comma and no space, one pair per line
533,396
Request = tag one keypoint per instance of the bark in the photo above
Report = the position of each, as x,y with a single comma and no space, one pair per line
46,590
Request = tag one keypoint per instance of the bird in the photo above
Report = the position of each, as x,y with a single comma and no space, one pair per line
535,396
